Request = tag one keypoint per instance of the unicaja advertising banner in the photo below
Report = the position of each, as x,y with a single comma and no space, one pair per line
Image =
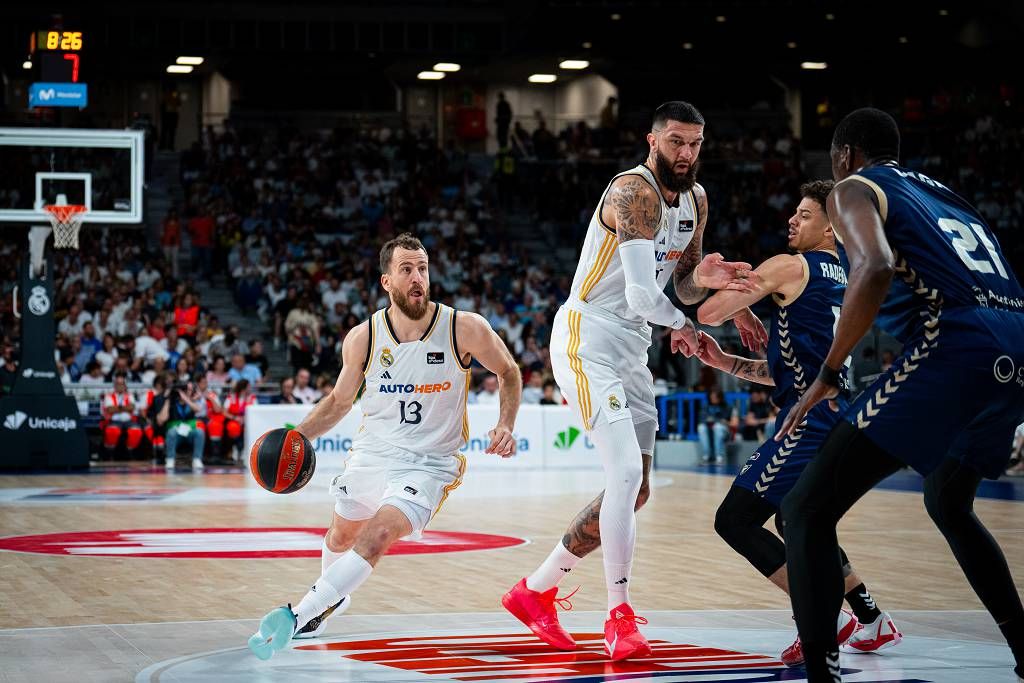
546,436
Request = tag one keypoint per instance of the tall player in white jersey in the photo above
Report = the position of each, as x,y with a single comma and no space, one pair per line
414,358
646,230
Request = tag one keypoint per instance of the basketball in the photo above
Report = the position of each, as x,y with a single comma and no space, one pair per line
282,461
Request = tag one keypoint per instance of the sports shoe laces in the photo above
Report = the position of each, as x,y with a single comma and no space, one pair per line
629,621
563,602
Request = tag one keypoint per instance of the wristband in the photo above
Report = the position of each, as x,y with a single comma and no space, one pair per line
830,377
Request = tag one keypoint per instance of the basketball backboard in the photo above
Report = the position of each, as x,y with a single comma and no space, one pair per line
100,169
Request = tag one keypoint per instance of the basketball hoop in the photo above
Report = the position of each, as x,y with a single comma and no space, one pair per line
66,220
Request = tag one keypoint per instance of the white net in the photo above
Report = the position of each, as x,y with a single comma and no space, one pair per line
66,220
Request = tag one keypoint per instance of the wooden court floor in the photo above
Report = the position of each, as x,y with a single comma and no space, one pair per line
680,563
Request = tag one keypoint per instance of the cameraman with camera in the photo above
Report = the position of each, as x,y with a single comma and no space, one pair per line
181,406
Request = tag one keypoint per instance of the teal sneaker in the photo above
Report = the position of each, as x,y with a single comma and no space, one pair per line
276,629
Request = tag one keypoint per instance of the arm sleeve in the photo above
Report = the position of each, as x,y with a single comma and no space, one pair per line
643,295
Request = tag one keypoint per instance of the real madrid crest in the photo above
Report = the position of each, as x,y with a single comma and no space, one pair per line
613,402
38,302
386,359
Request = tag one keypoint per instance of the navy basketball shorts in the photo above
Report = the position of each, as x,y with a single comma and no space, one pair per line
956,391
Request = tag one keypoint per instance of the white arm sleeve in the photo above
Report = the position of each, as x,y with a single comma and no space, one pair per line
643,295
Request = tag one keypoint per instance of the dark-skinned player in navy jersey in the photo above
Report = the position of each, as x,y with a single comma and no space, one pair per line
923,265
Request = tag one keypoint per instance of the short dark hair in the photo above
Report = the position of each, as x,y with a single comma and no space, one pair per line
817,190
676,110
405,241
871,130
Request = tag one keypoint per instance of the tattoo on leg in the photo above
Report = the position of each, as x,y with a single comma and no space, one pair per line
584,534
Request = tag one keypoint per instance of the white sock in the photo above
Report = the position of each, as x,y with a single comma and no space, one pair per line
327,557
553,569
345,575
618,593
619,450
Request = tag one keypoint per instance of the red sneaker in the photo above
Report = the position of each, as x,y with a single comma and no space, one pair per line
878,635
845,628
537,611
622,639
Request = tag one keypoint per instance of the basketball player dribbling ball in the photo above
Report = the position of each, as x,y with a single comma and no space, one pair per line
414,357
807,290
646,230
924,265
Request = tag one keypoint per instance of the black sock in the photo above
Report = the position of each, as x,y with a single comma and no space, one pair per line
1013,631
821,663
863,605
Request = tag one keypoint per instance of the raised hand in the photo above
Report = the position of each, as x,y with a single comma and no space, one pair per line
714,272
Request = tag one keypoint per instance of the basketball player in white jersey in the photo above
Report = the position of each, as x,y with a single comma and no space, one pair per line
646,230
414,357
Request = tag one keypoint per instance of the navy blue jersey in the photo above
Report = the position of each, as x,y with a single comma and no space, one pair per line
803,328
946,256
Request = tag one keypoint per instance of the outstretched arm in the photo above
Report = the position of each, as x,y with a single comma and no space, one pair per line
335,405
478,340
711,354
854,215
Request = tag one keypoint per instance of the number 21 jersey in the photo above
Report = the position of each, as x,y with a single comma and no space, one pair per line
415,394
946,256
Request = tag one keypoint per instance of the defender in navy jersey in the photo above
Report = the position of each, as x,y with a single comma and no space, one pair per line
413,360
924,265
807,289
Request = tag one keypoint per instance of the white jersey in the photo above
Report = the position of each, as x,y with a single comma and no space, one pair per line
599,279
415,394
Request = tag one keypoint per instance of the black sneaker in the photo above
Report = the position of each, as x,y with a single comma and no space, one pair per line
315,626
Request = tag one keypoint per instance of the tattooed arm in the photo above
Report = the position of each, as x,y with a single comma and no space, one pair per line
711,354
685,278
635,208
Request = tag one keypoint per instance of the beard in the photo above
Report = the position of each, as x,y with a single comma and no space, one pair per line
411,310
675,182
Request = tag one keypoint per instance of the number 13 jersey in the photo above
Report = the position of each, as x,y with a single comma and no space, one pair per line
415,393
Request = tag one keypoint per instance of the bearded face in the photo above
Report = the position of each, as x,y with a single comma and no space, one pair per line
679,177
414,302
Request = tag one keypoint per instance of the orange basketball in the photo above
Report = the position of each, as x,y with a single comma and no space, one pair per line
282,461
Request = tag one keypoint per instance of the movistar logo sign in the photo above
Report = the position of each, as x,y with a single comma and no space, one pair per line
566,438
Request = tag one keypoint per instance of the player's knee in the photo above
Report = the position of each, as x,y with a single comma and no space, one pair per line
725,525
374,542
794,509
339,539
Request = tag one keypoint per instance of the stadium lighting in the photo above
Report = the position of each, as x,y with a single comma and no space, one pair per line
179,69
943,12
27,64
903,40
813,66
449,67
573,64
194,61
830,17
587,45
687,46
616,16
542,78
791,45
720,18
430,75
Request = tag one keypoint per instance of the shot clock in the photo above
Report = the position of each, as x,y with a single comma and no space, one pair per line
58,54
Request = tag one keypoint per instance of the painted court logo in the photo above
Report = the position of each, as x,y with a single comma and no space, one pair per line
566,438
232,543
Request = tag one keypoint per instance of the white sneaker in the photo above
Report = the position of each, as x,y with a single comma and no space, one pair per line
878,635
169,464
317,625
197,464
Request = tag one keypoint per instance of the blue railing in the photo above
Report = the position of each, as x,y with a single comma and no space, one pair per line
678,413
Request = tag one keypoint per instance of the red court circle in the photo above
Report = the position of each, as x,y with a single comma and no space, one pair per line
232,543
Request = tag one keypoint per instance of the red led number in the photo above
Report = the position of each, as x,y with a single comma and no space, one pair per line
74,67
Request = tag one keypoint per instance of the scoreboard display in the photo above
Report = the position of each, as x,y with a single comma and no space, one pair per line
58,55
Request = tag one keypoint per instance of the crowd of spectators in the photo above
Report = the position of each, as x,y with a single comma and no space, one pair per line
292,221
